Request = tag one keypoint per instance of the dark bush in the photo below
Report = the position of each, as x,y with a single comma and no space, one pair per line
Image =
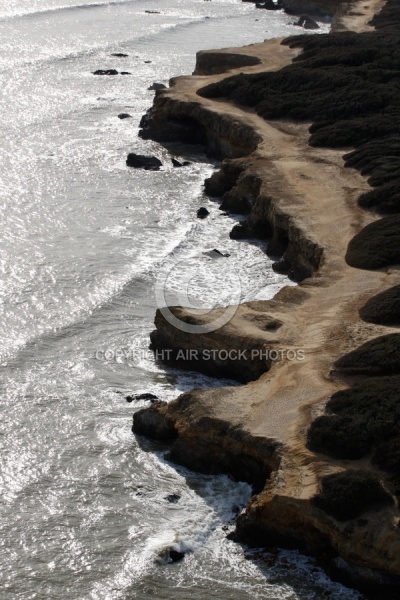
358,419
384,200
387,456
339,437
380,356
384,308
388,17
348,85
376,246
347,495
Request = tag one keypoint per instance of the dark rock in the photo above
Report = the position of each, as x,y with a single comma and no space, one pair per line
157,86
124,116
202,213
177,163
173,498
139,161
152,12
153,423
119,54
147,62
239,232
269,5
125,73
105,72
216,253
146,396
307,22
176,556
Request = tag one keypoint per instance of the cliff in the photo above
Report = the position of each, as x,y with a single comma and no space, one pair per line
304,201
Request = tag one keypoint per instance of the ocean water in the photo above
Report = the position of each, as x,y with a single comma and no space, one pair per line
84,242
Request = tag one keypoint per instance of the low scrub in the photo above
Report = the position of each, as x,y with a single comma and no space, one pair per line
349,494
376,246
358,419
380,356
384,308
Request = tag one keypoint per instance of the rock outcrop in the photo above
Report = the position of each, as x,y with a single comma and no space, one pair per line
303,200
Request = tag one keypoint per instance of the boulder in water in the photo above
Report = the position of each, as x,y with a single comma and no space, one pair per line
105,72
178,163
176,556
307,22
119,54
124,116
216,253
125,73
202,213
157,86
139,161
173,498
146,396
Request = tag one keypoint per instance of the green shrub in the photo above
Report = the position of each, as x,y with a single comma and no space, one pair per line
347,495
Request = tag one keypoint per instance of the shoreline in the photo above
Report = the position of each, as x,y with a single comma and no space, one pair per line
304,200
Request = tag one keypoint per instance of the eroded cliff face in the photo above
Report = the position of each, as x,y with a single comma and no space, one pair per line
171,120
304,202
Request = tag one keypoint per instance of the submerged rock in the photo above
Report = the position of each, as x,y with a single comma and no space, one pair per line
145,396
105,72
139,161
173,498
157,86
216,253
125,73
176,556
124,116
119,54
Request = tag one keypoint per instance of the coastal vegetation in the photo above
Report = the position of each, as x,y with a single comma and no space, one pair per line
358,420
377,245
384,308
347,495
